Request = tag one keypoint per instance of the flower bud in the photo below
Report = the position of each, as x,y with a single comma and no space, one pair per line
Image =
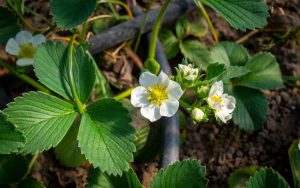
188,72
198,115
203,91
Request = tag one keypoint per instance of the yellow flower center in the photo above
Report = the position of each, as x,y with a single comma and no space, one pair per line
26,51
216,99
157,94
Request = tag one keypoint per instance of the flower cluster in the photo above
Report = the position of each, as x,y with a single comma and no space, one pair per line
159,96
24,47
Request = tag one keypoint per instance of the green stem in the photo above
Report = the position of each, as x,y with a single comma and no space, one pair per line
24,77
156,29
124,94
80,106
105,89
206,17
84,31
32,161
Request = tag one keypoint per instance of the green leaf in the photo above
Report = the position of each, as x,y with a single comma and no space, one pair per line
196,52
51,62
294,156
239,177
30,183
241,14
218,71
196,24
106,136
12,168
229,53
266,178
265,73
67,151
182,25
251,108
8,25
169,42
97,179
44,119
68,14
10,139
214,70
187,174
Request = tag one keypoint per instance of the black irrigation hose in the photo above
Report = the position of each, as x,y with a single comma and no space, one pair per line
130,29
169,126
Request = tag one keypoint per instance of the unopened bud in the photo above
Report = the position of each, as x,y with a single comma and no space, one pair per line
198,115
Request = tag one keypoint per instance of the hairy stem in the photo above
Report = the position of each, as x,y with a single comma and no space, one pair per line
24,77
80,106
206,17
124,94
156,30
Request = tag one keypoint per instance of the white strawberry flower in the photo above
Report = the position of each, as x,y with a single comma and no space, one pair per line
188,71
157,96
198,114
222,103
24,47
299,146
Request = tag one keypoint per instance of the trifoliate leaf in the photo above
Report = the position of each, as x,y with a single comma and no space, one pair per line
8,25
10,139
239,177
106,136
44,119
265,73
68,151
294,156
251,108
188,174
68,14
12,168
196,52
51,63
241,14
229,53
266,178
97,179
169,42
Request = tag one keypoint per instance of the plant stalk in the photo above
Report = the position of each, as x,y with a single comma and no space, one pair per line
80,106
206,17
124,94
24,77
156,30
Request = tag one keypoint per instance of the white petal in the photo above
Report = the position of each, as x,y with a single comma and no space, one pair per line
139,97
38,39
147,79
25,62
216,89
150,112
224,116
163,79
169,108
228,102
24,37
12,47
174,90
